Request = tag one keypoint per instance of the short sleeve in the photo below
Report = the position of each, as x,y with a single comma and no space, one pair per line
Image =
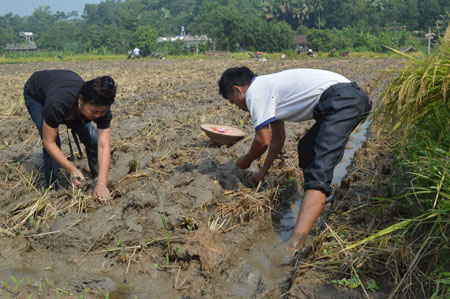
104,122
52,115
262,110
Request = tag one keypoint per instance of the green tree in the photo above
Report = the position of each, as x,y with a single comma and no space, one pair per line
91,37
57,35
208,21
429,12
145,39
281,37
339,13
9,30
294,12
253,33
409,14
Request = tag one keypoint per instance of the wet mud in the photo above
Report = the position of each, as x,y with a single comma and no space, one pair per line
184,221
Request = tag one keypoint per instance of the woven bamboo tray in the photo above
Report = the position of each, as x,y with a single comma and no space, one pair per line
222,134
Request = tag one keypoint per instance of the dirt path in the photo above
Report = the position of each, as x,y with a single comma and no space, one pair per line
185,222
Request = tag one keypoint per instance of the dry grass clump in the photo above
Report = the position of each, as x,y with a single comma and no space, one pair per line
244,205
40,206
257,203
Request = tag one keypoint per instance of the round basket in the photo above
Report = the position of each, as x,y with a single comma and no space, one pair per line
222,134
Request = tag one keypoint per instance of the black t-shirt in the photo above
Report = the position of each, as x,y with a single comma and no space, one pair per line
58,91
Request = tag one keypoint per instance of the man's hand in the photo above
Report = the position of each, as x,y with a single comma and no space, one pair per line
243,162
102,192
256,177
76,178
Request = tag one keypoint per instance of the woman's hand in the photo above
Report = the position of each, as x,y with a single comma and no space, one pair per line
76,178
102,192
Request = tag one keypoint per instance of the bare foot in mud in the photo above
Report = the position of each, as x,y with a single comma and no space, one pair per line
297,245
297,242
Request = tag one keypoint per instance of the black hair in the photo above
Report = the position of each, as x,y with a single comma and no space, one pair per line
240,76
100,91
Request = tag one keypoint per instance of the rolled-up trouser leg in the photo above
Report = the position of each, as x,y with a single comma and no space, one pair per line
88,136
336,115
306,146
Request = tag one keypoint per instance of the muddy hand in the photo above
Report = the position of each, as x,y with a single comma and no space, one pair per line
242,163
102,192
257,177
76,178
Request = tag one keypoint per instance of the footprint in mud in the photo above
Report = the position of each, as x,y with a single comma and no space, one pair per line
263,271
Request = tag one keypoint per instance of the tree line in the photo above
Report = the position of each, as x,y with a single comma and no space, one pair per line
114,26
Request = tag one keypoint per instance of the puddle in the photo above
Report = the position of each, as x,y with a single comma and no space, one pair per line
354,144
285,225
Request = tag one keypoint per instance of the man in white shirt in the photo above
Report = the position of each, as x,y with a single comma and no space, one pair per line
337,105
136,52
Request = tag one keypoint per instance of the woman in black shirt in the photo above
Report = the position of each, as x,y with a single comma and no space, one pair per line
55,97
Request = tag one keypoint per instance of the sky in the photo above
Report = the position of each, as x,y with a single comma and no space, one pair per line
27,7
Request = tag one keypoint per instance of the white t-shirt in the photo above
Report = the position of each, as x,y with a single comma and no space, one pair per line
288,95
136,51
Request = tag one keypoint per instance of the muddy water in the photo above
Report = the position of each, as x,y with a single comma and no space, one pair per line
157,239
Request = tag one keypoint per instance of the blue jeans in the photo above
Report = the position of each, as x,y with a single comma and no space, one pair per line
86,133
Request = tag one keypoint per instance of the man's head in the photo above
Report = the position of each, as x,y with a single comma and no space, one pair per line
234,83
96,96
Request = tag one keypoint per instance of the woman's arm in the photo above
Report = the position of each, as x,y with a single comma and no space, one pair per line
49,139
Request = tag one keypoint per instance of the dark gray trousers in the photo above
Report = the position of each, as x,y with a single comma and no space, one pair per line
340,109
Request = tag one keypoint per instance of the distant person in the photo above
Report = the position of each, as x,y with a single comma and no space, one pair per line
129,54
310,53
136,52
337,105
333,53
57,97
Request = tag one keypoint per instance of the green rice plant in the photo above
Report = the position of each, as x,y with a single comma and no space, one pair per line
168,239
416,107
420,89
17,283
352,283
